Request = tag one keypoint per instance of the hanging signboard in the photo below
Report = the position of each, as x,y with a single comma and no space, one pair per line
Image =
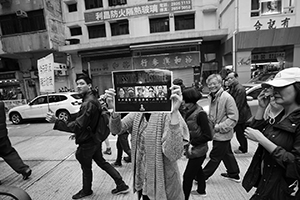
142,90
46,74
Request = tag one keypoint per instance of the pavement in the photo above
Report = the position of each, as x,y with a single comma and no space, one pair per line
57,174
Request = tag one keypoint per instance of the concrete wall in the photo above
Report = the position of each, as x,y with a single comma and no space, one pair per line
24,5
139,25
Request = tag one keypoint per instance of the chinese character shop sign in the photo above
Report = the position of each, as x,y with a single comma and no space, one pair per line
131,11
46,73
167,61
272,24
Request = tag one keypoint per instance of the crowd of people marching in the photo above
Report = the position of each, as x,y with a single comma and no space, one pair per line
159,139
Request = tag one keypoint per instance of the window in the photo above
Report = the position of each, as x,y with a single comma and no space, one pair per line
255,93
116,2
40,100
12,24
184,22
54,99
72,7
159,25
119,28
96,31
90,4
75,31
271,7
254,8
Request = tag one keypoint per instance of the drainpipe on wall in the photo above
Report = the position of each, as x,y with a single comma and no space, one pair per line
236,27
234,51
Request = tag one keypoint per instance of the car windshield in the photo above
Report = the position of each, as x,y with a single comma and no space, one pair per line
262,78
76,96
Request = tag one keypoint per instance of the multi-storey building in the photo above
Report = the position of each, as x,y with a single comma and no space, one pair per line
107,35
190,37
261,34
30,30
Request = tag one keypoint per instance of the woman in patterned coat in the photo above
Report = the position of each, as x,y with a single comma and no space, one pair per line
158,141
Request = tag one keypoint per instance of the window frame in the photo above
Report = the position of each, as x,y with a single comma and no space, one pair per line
91,4
12,24
188,16
119,24
75,28
72,4
118,2
264,5
94,26
156,19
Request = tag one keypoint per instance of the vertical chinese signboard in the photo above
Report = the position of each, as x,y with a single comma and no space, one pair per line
46,74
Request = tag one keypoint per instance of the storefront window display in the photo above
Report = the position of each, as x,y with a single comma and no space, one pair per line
11,94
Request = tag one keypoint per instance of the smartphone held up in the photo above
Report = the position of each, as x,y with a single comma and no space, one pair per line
268,92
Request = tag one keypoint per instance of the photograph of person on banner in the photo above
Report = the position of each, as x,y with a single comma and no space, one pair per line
142,90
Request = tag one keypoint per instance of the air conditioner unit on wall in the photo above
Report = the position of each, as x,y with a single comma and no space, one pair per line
61,72
21,13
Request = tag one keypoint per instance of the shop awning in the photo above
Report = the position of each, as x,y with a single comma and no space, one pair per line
268,38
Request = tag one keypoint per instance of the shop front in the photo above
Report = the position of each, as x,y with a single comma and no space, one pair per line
10,90
182,65
266,51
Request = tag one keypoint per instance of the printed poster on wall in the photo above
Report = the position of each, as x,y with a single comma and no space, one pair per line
46,74
142,90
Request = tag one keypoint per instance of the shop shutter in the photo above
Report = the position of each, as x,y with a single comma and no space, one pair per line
186,74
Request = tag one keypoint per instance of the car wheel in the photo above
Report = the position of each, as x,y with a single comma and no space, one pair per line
63,115
15,118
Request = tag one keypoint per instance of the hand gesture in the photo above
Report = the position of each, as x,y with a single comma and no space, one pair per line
110,98
253,134
50,117
263,100
176,97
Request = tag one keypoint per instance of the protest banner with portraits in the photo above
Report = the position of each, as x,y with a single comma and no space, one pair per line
145,90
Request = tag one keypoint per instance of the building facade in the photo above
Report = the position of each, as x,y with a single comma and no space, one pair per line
110,35
263,35
30,30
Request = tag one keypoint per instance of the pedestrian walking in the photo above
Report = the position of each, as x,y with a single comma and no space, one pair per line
200,133
224,113
7,152
238,92
158,141
88,148
122,145
274,169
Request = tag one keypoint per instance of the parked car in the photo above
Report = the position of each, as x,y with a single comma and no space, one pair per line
263,77
64,105
252,93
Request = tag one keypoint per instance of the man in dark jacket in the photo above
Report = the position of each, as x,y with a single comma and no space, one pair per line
238,92
88,146
7,152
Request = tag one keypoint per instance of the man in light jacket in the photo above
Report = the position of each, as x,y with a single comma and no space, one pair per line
224,113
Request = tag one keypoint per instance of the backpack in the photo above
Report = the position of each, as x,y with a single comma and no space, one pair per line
102,130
